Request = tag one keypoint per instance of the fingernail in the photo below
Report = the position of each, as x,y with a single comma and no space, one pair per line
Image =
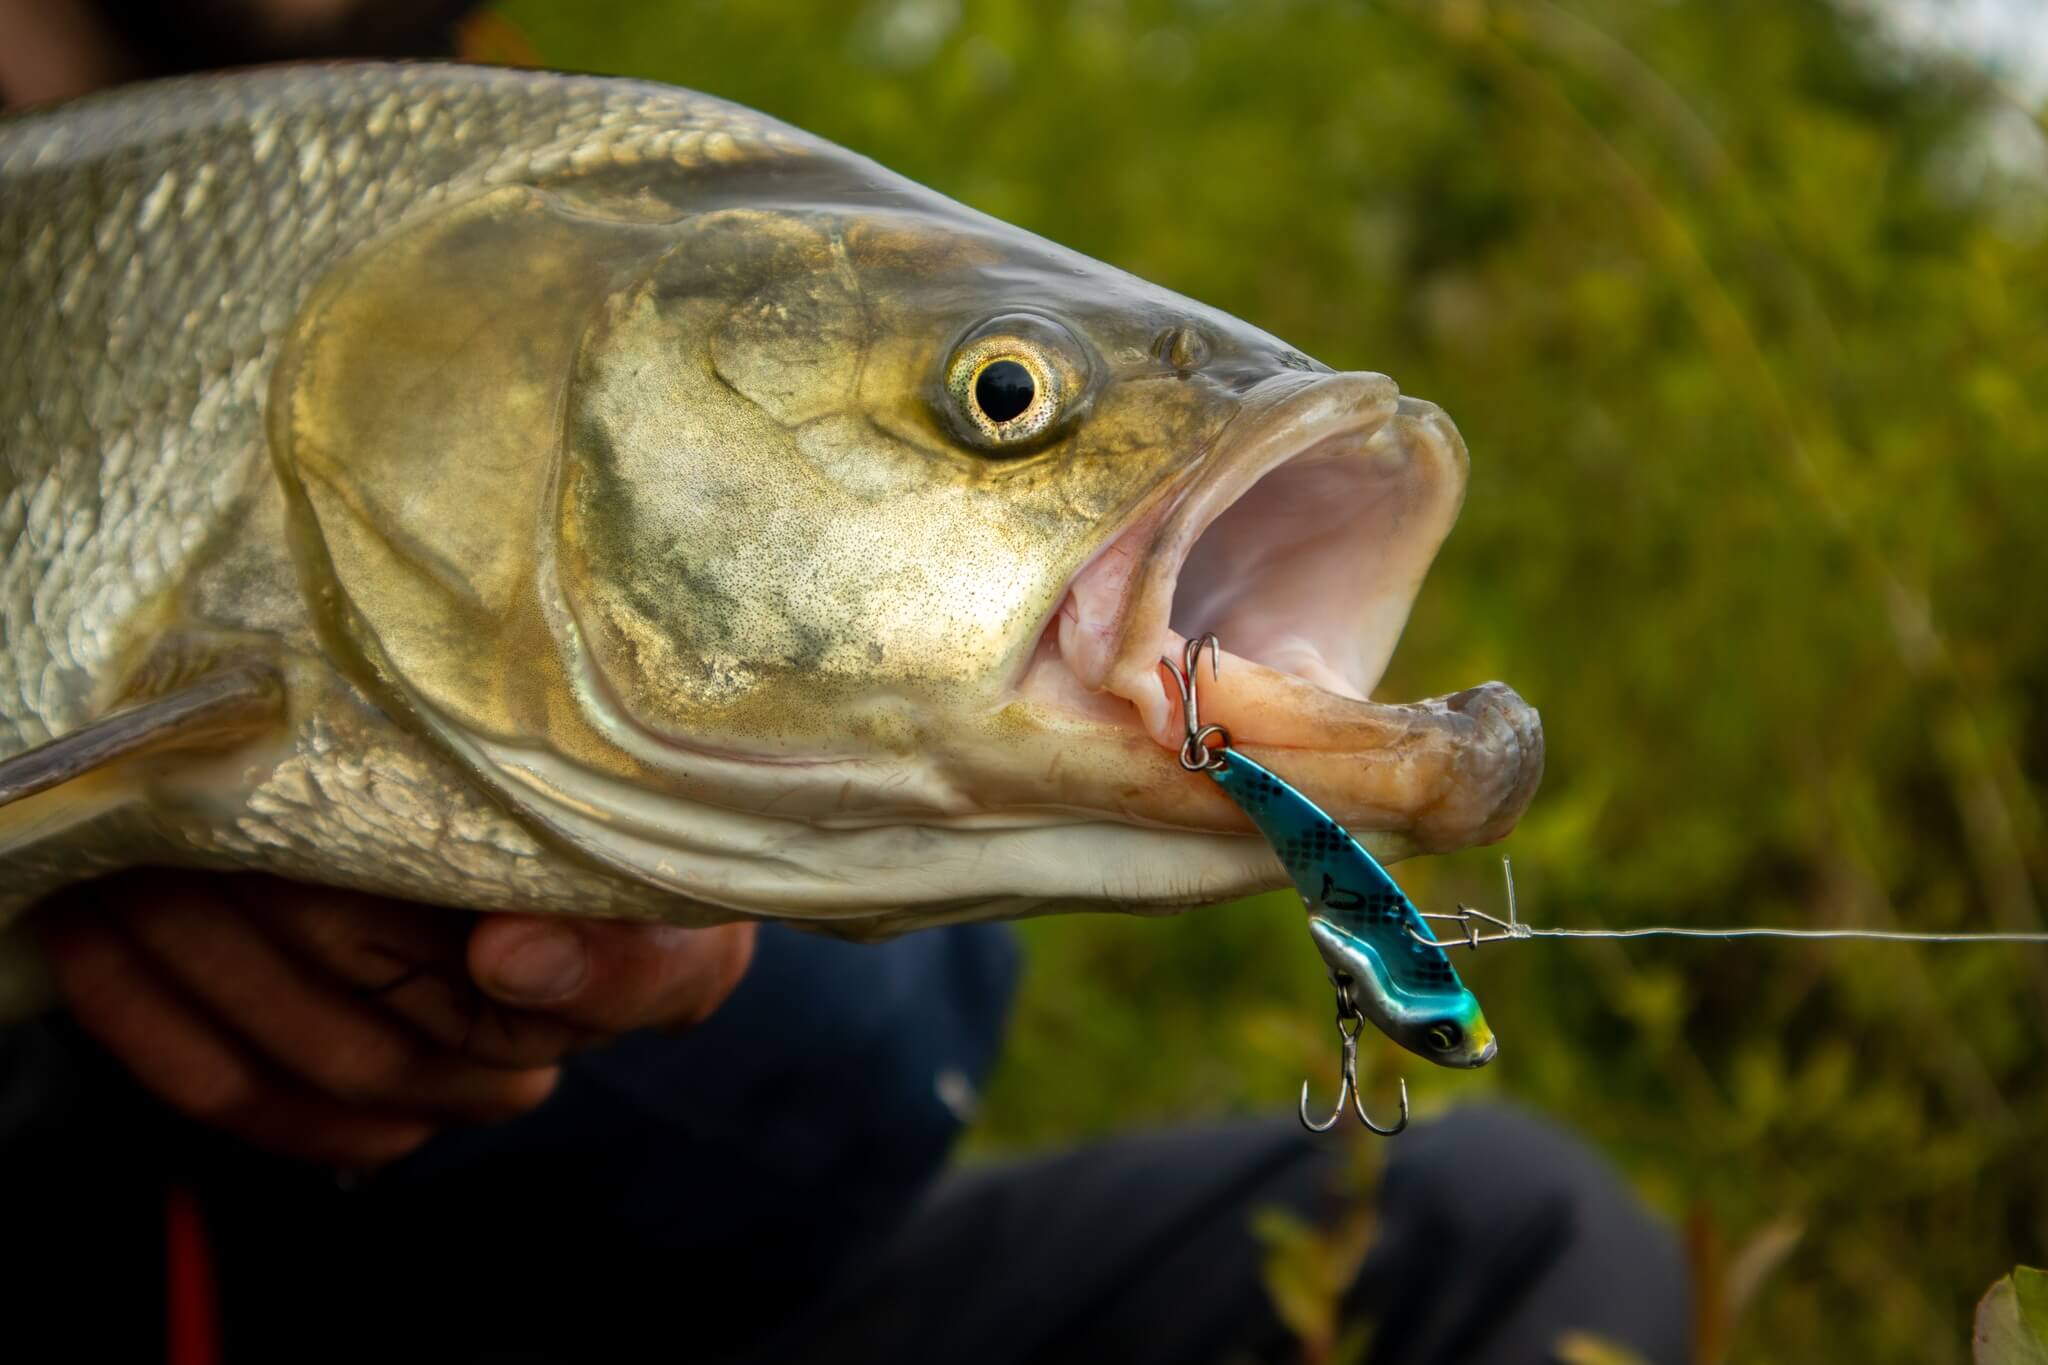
542,966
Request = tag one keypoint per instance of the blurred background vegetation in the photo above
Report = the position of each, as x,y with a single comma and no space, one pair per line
1743,310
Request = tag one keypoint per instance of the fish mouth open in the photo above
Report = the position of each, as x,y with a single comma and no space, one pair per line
1301,542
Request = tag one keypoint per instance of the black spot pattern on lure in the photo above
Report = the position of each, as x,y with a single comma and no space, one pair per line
1339,879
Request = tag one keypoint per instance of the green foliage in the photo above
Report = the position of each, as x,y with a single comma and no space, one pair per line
1583,1348
1747,339
1307,1271
2012,1321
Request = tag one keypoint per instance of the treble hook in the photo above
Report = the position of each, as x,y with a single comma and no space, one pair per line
1199,751
1349,1021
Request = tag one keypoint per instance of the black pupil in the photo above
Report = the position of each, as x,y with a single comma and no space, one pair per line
1444,1035
1004,389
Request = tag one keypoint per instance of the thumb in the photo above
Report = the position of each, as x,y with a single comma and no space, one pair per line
611,976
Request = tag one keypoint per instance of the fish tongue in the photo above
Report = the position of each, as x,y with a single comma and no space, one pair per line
1311,707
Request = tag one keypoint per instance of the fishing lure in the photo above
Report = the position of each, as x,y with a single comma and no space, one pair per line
1386,963
1383,962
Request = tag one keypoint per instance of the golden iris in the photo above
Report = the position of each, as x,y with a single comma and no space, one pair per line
1006,387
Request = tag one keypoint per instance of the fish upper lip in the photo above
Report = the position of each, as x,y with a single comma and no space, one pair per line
1444,772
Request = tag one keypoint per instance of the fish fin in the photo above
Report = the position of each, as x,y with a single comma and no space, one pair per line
76,778
216,710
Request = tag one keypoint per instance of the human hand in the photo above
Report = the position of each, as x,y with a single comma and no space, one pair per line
345,1028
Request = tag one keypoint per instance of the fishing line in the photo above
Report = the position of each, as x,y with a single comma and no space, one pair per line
1512,929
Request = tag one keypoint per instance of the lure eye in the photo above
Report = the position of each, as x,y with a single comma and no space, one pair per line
1444,1037
1013,380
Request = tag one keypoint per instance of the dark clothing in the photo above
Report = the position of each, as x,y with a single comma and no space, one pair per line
1495,1234
757,1188
666,1178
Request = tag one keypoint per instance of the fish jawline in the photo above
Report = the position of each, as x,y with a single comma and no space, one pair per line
869,881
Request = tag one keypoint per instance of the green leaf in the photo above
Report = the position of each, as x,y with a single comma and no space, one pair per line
2030,1287
1295,1274
2010,1321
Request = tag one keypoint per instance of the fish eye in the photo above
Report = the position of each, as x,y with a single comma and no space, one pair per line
1445,1036
1004,390
1011,383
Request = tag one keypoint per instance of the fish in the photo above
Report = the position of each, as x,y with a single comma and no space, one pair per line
506,488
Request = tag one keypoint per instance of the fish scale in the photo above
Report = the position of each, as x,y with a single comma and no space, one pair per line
173,233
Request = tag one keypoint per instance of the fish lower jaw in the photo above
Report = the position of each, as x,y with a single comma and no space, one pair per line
1471,759
1441,773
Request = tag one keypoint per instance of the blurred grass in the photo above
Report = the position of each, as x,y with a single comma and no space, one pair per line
1747,329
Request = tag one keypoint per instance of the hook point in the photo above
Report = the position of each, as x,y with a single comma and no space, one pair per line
1358,1103
1327,1124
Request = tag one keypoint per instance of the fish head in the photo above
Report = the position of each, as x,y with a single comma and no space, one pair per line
828,473
826,561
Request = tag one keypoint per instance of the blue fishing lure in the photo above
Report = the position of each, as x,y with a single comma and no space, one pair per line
1385,963
1369,933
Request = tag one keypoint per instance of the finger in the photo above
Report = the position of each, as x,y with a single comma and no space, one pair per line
408,957
186,1061
610,975
349,1049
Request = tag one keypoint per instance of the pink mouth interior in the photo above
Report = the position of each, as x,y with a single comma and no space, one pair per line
1272,575
1302,578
